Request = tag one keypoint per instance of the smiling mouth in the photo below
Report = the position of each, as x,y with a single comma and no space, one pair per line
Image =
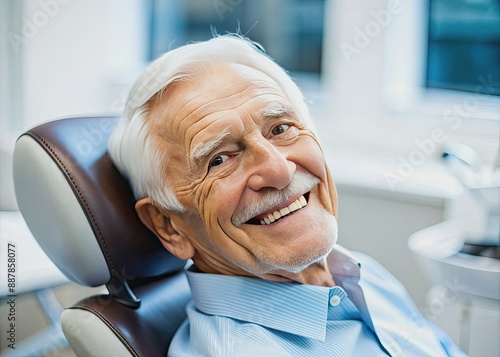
273,217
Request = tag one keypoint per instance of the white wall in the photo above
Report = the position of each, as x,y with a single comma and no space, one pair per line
65,68
359,114
77,58
71,64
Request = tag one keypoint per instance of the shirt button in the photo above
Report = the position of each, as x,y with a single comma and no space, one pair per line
335,300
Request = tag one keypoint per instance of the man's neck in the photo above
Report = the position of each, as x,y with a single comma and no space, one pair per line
315,274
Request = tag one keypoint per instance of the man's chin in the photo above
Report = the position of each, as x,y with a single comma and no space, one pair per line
303,265
327,243
301,262
275,264
315,272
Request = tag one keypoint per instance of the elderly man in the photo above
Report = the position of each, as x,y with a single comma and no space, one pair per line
220,152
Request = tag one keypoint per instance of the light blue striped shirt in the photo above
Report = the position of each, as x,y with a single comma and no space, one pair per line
368,313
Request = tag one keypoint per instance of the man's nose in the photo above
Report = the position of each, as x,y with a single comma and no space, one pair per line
270,167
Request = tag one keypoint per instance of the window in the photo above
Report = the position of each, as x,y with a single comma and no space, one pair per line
291,31
464,45
444,53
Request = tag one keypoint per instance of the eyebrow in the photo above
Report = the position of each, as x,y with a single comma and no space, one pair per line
276,110
201,150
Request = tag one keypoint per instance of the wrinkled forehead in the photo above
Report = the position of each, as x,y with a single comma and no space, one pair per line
216,89
253,76
206,88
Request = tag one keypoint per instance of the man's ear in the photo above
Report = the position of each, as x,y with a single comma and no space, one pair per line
160,224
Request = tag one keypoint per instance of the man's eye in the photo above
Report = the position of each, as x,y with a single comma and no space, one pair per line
279,129
218,160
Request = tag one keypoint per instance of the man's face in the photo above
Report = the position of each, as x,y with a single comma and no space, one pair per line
251,175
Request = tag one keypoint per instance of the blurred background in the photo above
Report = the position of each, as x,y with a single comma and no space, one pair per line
404,94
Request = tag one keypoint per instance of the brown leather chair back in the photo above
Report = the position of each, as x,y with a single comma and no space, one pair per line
81,211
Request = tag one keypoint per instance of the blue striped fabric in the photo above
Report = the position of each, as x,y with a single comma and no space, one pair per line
368,313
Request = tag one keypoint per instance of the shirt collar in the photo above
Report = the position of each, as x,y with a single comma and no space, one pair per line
343,265
274,305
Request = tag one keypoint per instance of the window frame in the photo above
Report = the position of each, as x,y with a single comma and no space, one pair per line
405,69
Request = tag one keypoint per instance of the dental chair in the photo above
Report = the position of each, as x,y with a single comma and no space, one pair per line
81,212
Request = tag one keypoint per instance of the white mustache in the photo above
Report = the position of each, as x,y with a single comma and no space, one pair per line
301,183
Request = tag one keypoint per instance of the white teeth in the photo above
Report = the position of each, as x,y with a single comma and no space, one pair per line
284,211
294,206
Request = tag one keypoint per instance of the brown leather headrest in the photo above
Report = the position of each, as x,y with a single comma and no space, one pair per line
80,209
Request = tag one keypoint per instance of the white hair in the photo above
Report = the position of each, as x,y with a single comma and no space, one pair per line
131,147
